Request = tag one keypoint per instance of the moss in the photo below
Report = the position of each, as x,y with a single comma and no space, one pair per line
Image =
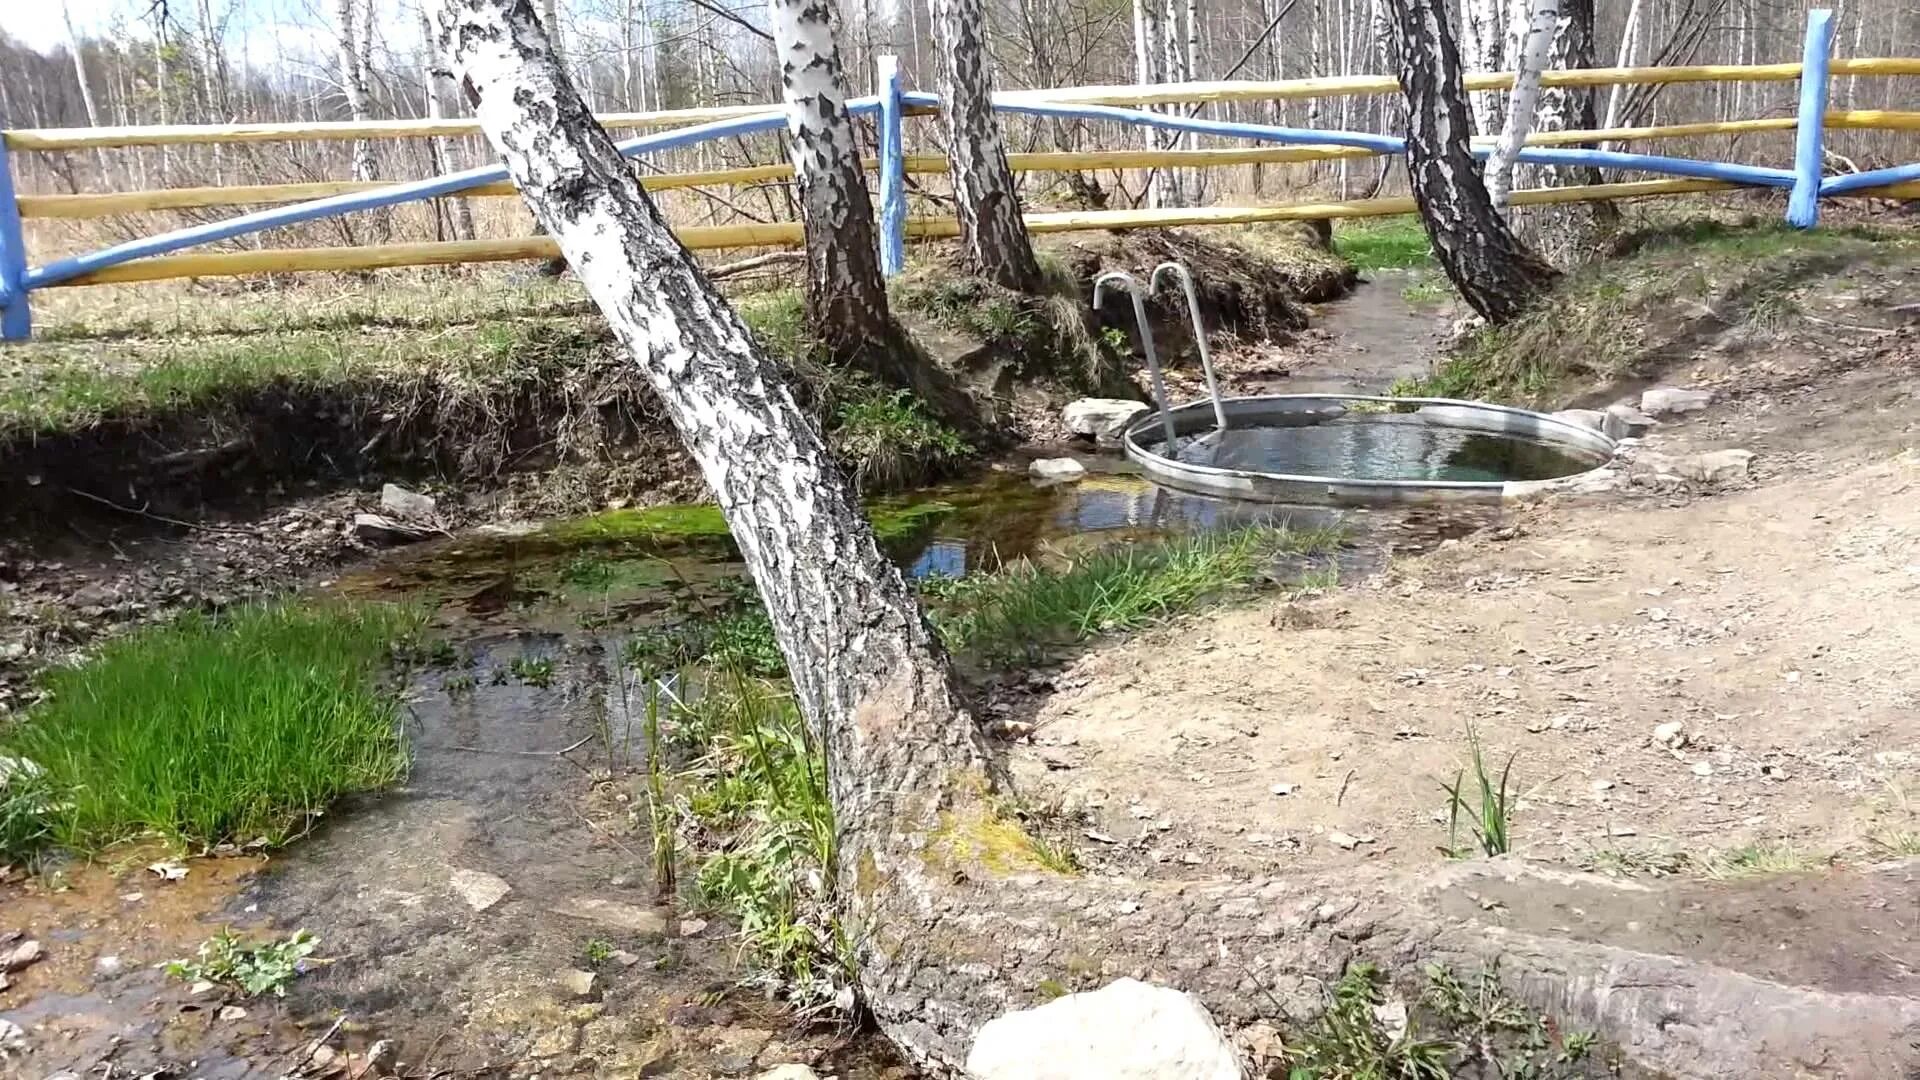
695,521
895,520
1051,988
976,836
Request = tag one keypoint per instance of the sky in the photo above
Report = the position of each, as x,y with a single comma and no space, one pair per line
262,30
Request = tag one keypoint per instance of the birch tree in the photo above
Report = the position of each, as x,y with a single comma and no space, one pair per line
353,82
1150,68
993,235
441,93
1494,272
1530,62
1483,48
846,295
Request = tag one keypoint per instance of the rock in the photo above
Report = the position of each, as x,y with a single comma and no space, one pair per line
1346,842
1102,418
1586,418
579,983
1624,421
232,1012
1665,400
1126,1030
788,1072
480,890
12,1036
692,927
398,502
375,529
624,958
377,1061
1701,768
635,920
108,967
1715,466
23,955
1056,470
1671,734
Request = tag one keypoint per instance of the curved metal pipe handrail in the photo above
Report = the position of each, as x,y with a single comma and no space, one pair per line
1131,285
1199,332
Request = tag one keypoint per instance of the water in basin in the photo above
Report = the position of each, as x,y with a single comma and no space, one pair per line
1382,446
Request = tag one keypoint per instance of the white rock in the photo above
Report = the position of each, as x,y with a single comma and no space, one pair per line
1672,733
1715,466
788,1072
1126,1030
1586,418
1102,418
1701,768
1662,400
1624,421
1056,470
634,920
479,889
407,505
578,983
108,967
232,1012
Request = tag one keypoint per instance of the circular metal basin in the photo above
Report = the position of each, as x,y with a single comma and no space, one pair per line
1362,450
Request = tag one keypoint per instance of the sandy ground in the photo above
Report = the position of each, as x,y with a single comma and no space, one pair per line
1774,622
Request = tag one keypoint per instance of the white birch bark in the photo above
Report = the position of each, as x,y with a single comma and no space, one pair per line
1149,68
1529,63
1483,48
353,83
1629,38
86,87
442,93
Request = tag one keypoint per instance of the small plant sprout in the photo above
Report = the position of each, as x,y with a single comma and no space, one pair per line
251,967
598,952
1486,811
534,671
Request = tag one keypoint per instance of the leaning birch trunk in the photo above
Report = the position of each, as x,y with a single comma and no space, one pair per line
1175,189
1629,38
846,295
86,91
1494,272
952,917
1530,63
993,236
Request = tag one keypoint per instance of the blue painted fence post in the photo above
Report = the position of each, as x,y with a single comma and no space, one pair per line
893,168
1803,206
15,322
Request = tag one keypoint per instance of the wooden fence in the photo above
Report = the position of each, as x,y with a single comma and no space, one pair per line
160,257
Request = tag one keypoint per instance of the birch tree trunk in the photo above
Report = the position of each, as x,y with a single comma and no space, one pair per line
1483,48
86,88
1174,46
1149,68
1494,272
353,83
993,236
846,295
1629,36
1530,62
442,92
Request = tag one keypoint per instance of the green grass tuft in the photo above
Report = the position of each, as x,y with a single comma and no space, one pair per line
213,729
1015,614
1487,808
889,441
1384,243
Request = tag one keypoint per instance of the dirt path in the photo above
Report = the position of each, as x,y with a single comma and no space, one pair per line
1773,624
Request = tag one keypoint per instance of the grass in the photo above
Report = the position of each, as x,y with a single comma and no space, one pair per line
234,728
1758,859
892,519
887,440
1487,808
1015,614
756,797
1383,243
251,967
1651,303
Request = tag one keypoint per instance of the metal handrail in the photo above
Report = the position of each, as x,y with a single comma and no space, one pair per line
1199,333
1131,285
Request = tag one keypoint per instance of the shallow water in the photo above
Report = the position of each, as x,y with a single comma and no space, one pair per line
1382,446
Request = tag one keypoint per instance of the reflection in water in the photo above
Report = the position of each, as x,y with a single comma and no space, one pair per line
1382,446
1006,518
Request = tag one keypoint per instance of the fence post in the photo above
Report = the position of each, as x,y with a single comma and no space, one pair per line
1803,205
15,322
893,168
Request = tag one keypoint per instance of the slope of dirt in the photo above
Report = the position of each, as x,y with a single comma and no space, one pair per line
1774,621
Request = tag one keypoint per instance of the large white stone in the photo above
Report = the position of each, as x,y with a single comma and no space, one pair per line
1056,470
397,501
1102,418
1126,1030
1662,400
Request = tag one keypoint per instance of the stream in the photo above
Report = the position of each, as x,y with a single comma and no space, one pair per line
458,914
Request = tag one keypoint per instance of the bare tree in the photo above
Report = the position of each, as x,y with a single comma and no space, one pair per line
1494,272
993,236
353,79
442,92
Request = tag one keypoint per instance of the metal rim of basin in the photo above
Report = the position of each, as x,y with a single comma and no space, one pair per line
1573,439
